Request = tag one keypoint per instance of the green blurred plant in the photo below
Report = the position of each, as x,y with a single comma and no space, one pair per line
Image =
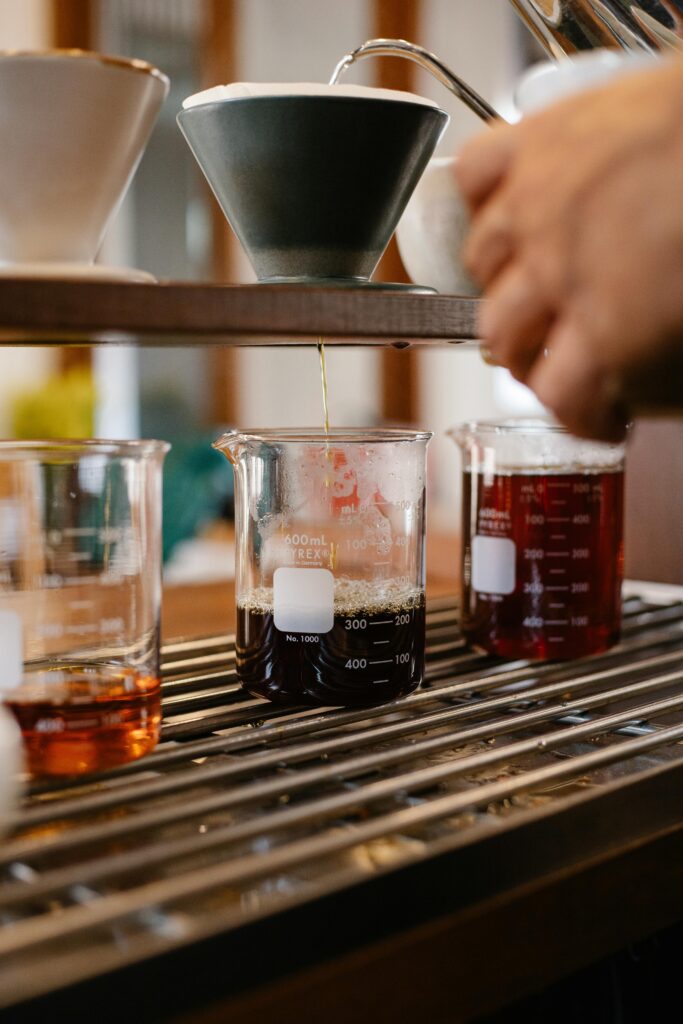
63,406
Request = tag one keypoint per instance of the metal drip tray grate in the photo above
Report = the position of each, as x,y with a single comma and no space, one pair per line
247,812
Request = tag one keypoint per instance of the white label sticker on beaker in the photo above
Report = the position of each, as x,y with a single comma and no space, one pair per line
493,565
303,600
11,653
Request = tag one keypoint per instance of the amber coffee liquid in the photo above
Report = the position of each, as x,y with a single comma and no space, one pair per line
565,530
76,718
323,382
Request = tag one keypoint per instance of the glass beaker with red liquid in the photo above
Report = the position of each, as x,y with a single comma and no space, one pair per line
542,539
80,598
330,573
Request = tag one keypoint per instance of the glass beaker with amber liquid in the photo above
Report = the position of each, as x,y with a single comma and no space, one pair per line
542,539
80,599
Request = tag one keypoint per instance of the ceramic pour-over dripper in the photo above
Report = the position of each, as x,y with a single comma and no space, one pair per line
73,127
314,178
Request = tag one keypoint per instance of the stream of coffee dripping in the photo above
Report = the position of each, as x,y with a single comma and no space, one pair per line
326,424
323,378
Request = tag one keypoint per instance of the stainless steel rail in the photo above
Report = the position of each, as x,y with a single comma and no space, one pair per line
247,808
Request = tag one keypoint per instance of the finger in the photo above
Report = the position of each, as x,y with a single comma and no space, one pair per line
482,162
573,384
515,321
490,243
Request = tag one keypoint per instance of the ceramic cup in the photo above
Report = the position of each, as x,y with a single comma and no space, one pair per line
432,229
73,126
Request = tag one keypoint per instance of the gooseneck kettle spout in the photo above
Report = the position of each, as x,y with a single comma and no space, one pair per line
426,60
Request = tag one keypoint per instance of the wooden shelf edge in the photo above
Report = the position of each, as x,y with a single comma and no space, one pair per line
63,312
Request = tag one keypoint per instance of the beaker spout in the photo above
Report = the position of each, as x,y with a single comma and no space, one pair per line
230,444
461,434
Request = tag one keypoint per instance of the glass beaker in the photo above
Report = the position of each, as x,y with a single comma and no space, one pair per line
542,539
330,576
80,596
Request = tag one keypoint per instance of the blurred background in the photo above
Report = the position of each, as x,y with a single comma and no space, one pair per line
170,225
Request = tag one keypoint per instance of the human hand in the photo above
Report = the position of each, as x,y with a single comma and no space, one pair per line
577,240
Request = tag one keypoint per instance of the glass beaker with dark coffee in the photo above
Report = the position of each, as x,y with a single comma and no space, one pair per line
330,582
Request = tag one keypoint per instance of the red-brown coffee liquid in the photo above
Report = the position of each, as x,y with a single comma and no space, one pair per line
76,719
549,547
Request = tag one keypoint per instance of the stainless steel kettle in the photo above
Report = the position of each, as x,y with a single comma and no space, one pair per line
564,27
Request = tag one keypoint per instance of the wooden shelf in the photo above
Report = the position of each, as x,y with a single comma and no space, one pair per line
51,312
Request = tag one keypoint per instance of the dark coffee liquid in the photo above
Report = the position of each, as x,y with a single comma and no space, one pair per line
567,562
368,657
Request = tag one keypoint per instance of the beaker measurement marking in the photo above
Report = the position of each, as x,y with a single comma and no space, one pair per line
557,587
558,554
558,501
559,519
79,531
558,536
403,506
382,622
556,572
556,639
551,484
303,540
49,725
382,563
381,641
79,556
560,605
556,622
382,661
375,681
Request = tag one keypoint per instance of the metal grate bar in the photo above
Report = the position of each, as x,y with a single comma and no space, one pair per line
53,882
246,806
85,805
313,721
111,909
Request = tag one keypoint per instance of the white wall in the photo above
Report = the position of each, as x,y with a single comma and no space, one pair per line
24,25
478,41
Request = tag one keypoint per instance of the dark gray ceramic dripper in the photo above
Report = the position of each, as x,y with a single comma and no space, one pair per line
313,186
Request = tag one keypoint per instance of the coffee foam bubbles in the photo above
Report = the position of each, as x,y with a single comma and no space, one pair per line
245,90
351,597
